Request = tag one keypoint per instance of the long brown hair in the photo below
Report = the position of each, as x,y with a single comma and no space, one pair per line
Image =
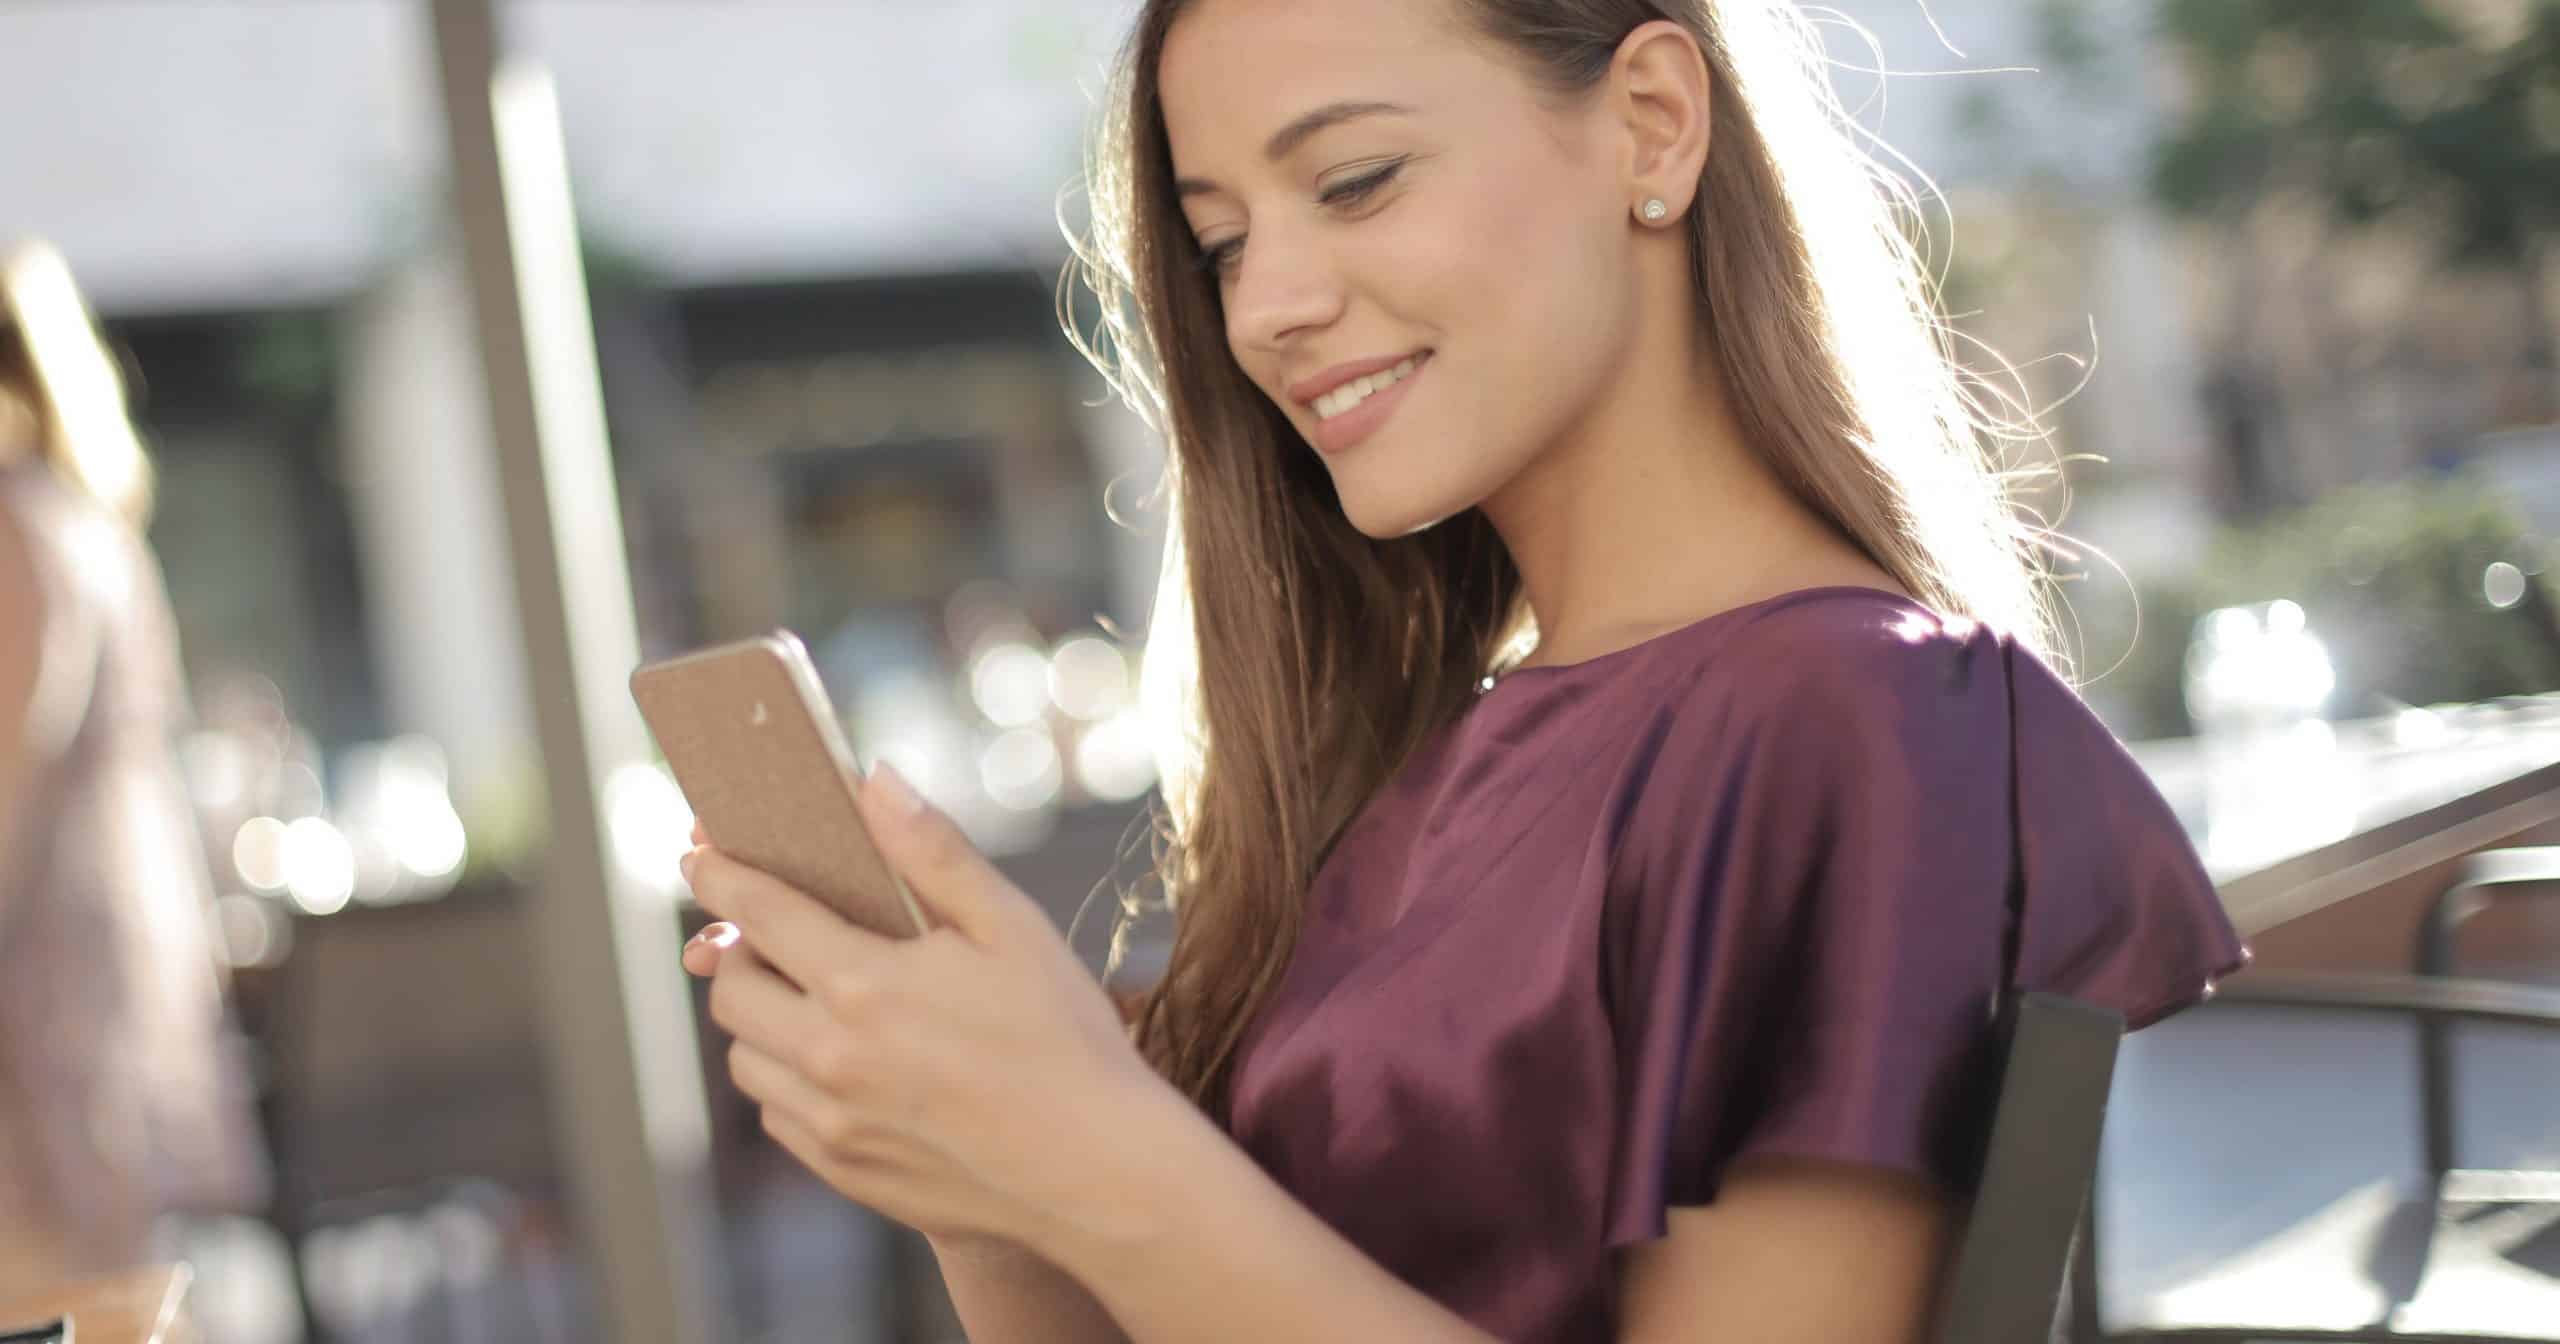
1296,662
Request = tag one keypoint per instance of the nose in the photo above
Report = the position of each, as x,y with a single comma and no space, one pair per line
1283,288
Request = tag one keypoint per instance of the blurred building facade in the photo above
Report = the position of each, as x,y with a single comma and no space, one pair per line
823,289
822,279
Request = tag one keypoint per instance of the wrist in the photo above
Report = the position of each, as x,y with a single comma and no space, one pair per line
974,1248
1160,1152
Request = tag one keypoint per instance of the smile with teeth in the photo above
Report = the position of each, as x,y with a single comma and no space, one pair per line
1358,390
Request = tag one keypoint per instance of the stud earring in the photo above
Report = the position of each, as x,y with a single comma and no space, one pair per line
1655,210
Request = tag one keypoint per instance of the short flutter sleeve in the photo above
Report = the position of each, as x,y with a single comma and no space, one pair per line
1810,903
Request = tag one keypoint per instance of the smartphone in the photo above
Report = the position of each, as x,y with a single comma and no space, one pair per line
755,746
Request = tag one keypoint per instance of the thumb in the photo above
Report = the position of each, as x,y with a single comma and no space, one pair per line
948,876
703,951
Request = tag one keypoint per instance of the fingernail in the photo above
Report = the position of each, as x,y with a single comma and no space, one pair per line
895,792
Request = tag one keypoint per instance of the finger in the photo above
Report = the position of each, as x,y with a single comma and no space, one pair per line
702,951
775,1085
786,926
797,1139
700,836
877,1184
947,874
762,1009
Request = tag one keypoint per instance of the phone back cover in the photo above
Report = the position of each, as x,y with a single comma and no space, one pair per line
762,781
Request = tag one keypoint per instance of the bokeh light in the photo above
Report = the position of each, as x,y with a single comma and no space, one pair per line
1010,683
257,853
319,866
2503,585
2250,662
1115,762
649,825
1089,678
1019,769
254,934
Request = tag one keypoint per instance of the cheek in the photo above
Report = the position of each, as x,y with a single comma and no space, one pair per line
1460,251
1553,261
1512,270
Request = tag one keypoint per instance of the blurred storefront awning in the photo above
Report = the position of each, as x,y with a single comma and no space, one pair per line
708,142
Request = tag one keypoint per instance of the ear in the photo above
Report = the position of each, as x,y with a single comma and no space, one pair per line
1658,90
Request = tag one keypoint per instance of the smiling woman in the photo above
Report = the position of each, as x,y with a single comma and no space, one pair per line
1612,771
1666,351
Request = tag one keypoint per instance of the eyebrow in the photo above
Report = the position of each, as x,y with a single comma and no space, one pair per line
1298,132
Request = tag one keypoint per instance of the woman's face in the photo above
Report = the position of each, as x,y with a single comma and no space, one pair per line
1391,207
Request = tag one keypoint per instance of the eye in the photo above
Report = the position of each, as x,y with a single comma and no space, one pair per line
1221,257
1362,187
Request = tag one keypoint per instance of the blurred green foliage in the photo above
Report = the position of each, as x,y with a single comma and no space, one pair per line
2438,121
288,357
2443,109
2392,577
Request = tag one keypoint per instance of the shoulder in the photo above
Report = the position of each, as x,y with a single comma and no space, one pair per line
1844,668
1822,723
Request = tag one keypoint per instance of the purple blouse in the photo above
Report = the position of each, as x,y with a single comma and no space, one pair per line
1739,890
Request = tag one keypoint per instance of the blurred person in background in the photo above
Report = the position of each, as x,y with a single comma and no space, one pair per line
118,1101
1615,770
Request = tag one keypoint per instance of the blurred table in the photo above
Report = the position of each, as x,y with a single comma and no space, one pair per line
144,1306
2262,1169
2361,807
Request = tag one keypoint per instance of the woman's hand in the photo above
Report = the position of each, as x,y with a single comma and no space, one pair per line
972,1082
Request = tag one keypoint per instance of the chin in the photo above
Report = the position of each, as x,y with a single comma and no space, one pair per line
1386,514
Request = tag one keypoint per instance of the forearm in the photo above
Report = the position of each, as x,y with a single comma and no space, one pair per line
1212,1248
1008,1295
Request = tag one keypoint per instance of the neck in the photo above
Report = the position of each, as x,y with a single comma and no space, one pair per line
1655,512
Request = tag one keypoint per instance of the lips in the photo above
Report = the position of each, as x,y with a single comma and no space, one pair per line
1305,391
1361,407
1358,390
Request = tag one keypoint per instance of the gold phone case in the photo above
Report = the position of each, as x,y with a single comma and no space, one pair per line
754,744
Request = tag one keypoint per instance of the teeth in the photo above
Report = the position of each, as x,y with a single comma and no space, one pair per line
1358,390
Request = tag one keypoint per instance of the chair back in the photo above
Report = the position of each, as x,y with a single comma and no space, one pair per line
2057,1060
